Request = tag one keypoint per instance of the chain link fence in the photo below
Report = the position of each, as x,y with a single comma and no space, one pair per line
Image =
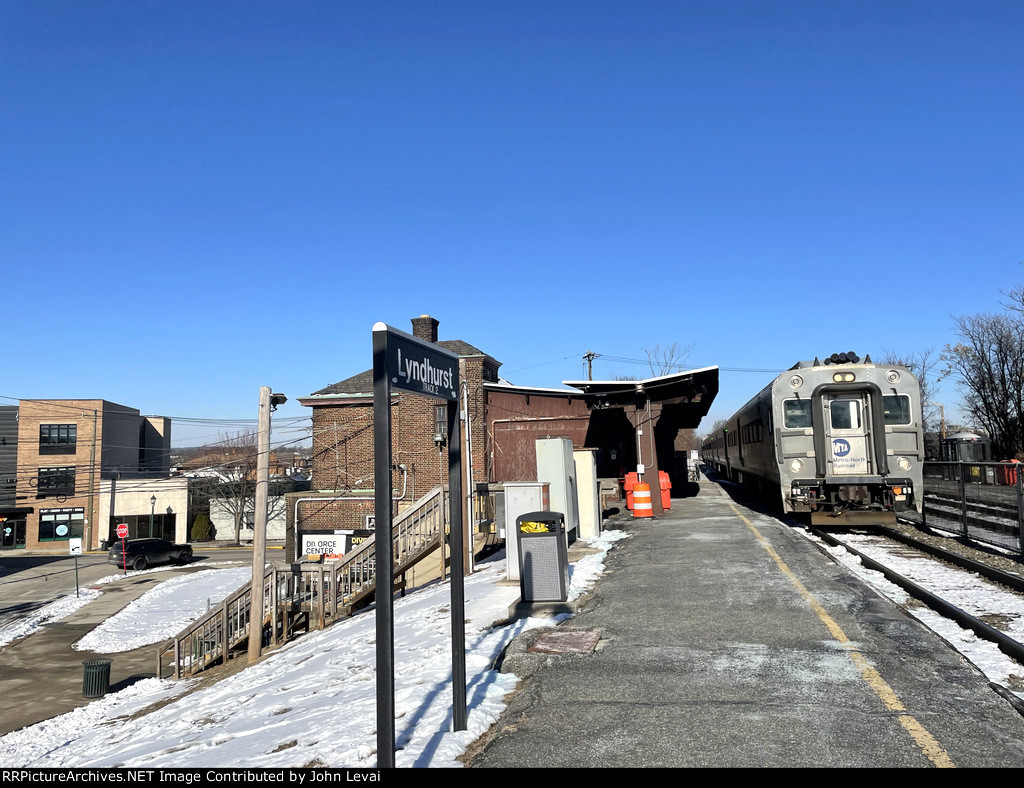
981,501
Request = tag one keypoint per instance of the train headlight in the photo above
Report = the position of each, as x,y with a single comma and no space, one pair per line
892,376
796,381
796,465
904,463
844,377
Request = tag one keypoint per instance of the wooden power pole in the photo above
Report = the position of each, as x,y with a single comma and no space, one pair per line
259,533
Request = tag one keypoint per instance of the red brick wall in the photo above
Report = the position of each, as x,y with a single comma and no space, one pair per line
343,449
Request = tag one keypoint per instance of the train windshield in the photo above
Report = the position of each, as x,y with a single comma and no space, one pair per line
796,413
897,409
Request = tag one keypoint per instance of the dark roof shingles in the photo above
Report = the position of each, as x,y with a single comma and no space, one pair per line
363,382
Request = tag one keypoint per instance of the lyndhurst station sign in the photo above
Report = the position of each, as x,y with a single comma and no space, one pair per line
405,362
421,368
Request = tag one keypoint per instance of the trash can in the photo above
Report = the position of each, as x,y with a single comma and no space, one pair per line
96,680
543,557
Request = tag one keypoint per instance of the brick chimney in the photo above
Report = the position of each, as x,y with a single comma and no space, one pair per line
425,327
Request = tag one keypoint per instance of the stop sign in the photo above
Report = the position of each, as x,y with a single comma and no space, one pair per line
122,531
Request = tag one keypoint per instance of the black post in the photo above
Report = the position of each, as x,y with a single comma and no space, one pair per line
458,594
1018,477
963,500
384,569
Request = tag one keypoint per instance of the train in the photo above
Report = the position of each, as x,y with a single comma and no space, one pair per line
839,440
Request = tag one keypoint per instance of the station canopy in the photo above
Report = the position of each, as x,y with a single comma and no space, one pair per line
686,396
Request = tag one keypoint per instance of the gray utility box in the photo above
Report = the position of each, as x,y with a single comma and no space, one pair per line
543,557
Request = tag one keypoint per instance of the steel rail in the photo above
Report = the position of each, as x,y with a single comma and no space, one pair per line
1008,645
1016,582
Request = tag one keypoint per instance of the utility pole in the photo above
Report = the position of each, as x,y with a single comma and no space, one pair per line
89,529
259,533
589,357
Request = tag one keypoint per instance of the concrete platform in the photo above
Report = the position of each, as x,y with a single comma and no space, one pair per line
727,639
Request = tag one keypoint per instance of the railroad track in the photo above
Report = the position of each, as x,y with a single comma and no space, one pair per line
977,600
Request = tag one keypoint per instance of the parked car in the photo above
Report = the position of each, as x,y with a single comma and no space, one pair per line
149,552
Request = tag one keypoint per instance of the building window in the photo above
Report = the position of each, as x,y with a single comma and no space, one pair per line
59,525
58,438
164,526
440,423
56,481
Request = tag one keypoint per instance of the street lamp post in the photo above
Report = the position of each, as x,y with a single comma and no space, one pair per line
152,512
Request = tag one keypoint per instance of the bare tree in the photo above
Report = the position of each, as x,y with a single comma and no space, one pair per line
668,359
988,363
229,475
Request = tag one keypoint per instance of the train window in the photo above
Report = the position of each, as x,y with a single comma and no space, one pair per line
796,413
896,408
845,414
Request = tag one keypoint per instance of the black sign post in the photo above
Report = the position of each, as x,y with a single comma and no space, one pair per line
402,361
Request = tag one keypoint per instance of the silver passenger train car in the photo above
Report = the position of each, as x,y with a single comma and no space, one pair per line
841,440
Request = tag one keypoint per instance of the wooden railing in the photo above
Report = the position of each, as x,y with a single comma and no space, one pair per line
307,594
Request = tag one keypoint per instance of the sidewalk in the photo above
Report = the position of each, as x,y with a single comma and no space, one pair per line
725,638
41,676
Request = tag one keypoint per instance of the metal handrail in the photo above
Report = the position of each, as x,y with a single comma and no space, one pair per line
320,589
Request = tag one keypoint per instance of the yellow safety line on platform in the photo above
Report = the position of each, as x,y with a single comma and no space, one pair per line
929,746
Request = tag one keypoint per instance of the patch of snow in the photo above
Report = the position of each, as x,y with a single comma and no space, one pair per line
313,701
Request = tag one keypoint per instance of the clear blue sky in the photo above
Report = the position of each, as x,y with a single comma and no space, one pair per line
202,198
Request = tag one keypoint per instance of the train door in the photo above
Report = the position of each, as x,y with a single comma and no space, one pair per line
847,434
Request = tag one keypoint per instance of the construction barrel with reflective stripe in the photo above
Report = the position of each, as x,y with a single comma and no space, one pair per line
642,500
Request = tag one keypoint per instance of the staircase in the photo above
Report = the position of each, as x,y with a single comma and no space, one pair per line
297,595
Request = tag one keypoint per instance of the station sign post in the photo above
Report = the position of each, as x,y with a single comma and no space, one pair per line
402,361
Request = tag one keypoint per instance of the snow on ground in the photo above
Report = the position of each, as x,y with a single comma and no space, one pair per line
313,702
67,605
966,590
163,612
54,611
61,608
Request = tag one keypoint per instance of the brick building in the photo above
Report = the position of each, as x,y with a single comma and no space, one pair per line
69,474
505,422
342,468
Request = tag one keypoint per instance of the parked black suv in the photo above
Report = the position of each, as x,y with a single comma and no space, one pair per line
149,552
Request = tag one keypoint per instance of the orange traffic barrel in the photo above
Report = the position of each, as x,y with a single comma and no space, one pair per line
631,480
666,490
642,500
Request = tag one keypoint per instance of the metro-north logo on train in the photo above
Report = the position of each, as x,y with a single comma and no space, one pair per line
840,447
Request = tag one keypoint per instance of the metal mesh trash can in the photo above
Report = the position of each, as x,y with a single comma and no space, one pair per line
96,680
543,557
